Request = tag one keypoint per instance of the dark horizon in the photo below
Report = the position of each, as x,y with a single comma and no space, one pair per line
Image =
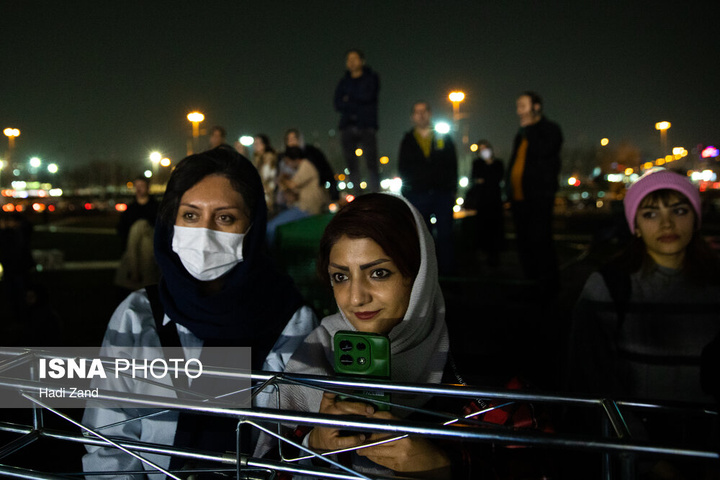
88,82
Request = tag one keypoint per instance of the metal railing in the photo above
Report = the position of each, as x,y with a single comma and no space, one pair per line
615,448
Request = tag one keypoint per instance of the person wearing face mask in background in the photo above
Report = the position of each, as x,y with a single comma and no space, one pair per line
218,287
485,197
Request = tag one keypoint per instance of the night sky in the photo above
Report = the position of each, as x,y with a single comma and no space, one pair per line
115,80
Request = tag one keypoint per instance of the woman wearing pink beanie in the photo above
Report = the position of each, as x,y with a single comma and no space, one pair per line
642,320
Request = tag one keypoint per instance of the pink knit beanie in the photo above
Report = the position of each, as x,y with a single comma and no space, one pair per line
659,179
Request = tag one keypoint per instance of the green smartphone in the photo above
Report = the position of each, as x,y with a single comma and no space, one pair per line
364,355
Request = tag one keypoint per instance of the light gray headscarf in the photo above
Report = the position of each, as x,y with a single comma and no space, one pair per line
419,344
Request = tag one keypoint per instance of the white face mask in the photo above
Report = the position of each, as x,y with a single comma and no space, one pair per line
207,254
486,154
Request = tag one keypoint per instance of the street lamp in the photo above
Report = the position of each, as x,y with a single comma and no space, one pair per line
11,133
52,168
456,98
663,127
155,158
195,118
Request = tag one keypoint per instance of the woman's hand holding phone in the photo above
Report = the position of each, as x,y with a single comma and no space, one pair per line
328,438
407,454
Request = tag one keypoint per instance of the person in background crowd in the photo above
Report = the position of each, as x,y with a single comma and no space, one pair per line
293,138
265,160
485,197
427,164
219,287
136,228
303,193
218,136
531,186
356,99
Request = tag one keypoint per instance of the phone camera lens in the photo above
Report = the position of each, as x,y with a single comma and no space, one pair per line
346,345
361,346
362,360
347,360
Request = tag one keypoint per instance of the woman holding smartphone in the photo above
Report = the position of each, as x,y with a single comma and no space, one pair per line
378,256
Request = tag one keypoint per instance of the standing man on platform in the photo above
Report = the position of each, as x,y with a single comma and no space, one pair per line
531,186
356,99
427,165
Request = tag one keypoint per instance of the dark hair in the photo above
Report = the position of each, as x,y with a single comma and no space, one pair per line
218,128
702,264
383,218
266,140
294,153
484,142
243,177
358,51
427,105
535,98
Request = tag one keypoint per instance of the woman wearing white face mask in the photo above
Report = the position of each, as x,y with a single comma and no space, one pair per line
218,287
485,197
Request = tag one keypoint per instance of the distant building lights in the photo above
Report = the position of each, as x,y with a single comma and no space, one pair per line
384,160
349,198
571,181
52,168
459,201
363,185
473,147
463,182
457,208
341,186
358,152
350,185
165,162
628,171
35,162
147,174
710,152
604,142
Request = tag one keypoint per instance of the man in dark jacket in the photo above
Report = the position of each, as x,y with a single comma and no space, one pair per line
356,98
531,186
427,165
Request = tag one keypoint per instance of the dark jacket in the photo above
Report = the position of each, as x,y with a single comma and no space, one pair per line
437,173
542,162
357,100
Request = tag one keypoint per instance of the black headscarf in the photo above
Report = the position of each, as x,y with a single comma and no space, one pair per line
256,300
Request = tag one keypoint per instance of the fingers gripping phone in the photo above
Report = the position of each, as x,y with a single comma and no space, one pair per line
364,355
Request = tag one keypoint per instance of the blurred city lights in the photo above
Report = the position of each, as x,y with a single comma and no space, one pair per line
394,185
55,192
349,198
628,171
350,185
120,207
346,171
363,185
710,152
442,128
155,157
571,181
433,219
341,186
604,142
35,162
473,147
11,132
147,174
52,168
463,182
662,125
333,207
384,160
341,177
459,201
165,162
358,152
457,208
677,150
247,140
